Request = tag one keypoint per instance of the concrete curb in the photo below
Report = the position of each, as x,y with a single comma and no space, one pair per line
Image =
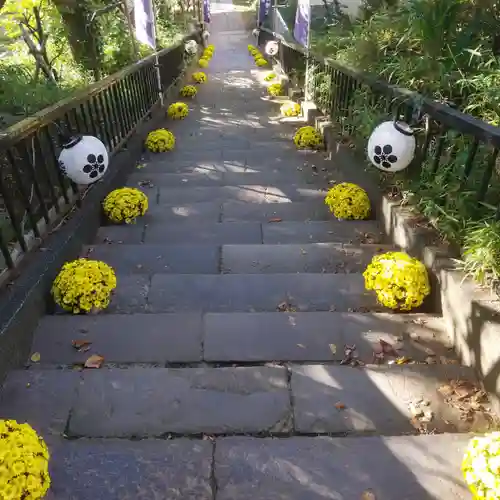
471,313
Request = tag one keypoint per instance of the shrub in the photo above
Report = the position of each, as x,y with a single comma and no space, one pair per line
84,285
400,282
161,140
24,471
178,110
125,205
308,138
348,201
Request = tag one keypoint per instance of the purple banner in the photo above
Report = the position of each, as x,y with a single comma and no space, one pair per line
206,11
264,8
302,22
144,22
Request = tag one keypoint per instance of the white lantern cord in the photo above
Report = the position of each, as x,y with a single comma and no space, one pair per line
84,159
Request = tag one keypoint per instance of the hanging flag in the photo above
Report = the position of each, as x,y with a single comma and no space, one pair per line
264,8
144,22
206,11
302,22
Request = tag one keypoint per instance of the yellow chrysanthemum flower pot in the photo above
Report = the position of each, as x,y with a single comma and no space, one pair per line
24,462
203,62
308,138
270,77
161,140
188,91
481,466
260,62
178,111
290,109
83,286
124,205
400,282
348,201
275,89
199,77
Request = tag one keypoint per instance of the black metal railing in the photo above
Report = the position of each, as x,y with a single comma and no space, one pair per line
34,194
457,154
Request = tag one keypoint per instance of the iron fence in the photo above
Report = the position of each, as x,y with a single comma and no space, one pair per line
457,154
34,194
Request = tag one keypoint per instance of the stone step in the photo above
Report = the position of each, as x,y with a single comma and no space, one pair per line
145,402
321,337
241,233
292,258
155,259
350,468
205,178
120,338
251,193
136,293
247,293
423,467
238,337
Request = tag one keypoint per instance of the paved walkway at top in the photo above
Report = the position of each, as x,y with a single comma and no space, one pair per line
223,345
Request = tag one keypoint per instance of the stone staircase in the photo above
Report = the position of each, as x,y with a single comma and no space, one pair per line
240,347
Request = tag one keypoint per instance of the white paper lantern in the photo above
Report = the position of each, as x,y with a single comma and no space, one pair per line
84,159
191,47
391,146
271,48
255,32
205,35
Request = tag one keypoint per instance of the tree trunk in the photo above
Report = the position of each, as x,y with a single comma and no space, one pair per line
83,39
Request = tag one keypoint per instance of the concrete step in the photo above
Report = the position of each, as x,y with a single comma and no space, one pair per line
241,232
154,259
302,211
321,337
145,402
350,468
292,258
423,467
203,177
251,193
160,293
238,337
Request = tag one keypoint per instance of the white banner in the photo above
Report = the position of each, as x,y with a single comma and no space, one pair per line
144,22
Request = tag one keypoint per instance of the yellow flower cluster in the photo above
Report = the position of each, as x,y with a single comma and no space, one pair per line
161,140
203,62
188,91
125,205
481,466
290,109
178,110
24,462
308,138
208,53
399,281
270,77
254,51
199,77
260,62
251,48
84,285
348,201
275,89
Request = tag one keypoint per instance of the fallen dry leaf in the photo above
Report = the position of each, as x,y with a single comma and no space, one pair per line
275,219
403,360
340,406
94,361
35,357
81,345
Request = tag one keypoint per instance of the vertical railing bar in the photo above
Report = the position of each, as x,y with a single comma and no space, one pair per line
60,176
488,172
469,163
439,150
4,248
43,167
24,196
